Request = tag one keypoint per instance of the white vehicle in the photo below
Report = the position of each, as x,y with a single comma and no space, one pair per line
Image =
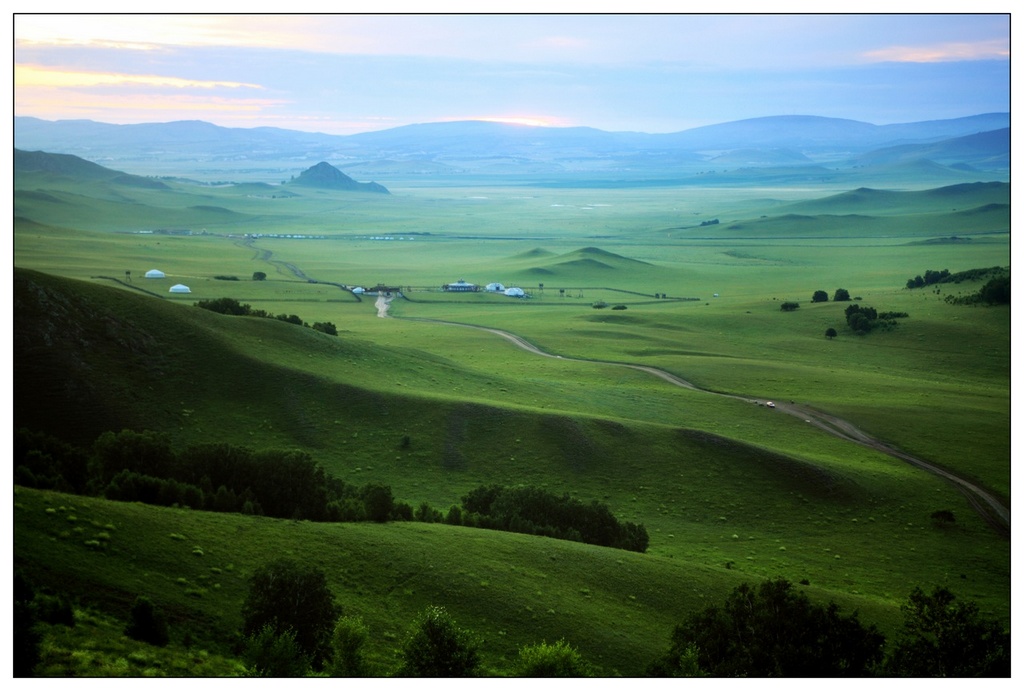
770,404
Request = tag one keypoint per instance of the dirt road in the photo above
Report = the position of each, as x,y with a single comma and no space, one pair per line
984,502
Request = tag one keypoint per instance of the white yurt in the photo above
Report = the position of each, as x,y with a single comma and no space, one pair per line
515,293
358,291
155,273
179,288
495,288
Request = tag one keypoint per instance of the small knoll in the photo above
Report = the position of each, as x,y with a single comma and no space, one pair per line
212,209
534,253
605,255
585,263
325,176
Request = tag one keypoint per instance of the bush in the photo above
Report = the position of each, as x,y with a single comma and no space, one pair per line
287,596
819,296
790,306
147,624
269,653
551,660
437,647
841,295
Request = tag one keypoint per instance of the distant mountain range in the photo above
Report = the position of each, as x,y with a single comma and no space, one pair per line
976,143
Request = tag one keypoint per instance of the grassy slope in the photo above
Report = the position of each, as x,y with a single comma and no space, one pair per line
477,410
617,607
702,496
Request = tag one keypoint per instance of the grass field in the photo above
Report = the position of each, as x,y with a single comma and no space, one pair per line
729,491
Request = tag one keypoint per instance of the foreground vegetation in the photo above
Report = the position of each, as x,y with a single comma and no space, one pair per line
727,491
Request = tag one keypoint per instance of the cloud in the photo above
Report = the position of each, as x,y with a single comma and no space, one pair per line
996,49
35,76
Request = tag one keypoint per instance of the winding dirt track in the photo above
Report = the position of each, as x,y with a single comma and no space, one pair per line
984,502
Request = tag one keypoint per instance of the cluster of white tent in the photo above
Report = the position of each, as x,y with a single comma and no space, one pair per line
177,288
511,292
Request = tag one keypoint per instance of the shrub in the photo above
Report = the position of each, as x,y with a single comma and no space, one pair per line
551,660
819,296
269,653
841,295
147,624
790,306
437,647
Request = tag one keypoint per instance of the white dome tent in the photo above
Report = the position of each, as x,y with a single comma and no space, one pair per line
179,288
155,273
495,288
515,293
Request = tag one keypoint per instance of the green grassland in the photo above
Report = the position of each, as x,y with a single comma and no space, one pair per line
729,491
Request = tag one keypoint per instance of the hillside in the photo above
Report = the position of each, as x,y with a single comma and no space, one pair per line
68,166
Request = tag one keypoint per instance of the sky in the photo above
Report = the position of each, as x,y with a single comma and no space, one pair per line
349,73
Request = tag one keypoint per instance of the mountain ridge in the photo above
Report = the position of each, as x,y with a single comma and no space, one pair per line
457,147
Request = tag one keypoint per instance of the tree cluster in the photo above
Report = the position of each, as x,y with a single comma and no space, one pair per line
864,319
773,630
994,292
930,277
293,627
233,307
144,467
534,511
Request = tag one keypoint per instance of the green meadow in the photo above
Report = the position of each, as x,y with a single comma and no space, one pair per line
691,282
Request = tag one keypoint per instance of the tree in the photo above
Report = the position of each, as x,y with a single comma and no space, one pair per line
773,631
326,327
350,636
551,660
945,638
842,295
27,637
378,502
437,647
819,296
830,333
790,306
288,596
147,624
259,276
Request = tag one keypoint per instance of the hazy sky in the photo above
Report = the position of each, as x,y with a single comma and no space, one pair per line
342,74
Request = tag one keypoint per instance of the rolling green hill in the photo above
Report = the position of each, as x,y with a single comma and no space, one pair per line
89,358
728,491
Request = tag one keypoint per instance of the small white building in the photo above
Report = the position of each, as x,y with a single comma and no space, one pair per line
179,288
155,273
515,293
494,288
